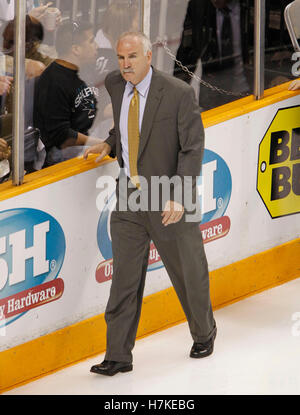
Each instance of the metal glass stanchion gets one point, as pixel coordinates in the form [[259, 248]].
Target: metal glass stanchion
[[19, 93], [259, 48]]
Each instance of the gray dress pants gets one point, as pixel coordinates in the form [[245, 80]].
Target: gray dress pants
[[185, 261]]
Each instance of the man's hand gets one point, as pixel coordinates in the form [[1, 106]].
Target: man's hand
[[103, 149], [5, 84], [294, 85], [39, 12], [172, 213], [5, 150]]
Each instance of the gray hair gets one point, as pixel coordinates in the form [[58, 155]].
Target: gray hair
[[147, 45]]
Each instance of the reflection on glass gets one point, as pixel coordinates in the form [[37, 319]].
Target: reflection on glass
[[35, 64], [72, 108], [278, 50], [64, 105], [69, 51], [216, 43], [6, 81], [118, 17]]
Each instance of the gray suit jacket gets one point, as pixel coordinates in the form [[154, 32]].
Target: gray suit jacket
[[172, 134]]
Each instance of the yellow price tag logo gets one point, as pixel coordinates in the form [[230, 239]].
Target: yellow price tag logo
[[278, 177]]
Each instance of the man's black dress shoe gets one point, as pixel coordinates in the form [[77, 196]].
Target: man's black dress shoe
[[203, 349], [110, 368]]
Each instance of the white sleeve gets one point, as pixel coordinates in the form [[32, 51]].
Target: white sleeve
[[7, 10]]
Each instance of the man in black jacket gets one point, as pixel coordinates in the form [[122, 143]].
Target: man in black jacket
[[216, 36], [65, 106]]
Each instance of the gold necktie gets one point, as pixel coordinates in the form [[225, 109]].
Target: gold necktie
[[133, 137]]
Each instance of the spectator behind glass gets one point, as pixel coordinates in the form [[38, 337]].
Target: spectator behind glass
[[39, 13], [35, 61], [65, 107], [7, 11], [120, 16], [35, 64], [34, 33], [5, 149], [34, 154], [215, 36]]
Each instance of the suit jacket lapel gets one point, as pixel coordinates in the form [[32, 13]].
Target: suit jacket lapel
[[152, 104], [117, 100]]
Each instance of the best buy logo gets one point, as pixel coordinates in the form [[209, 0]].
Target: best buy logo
[[278, 178]]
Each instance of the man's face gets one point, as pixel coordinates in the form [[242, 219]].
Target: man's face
[[87, 49], [219, 4], [134, 64]]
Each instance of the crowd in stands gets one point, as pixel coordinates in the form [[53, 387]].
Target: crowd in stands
[[66, 105]]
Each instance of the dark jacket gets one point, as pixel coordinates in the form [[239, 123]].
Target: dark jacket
[[199, 36]]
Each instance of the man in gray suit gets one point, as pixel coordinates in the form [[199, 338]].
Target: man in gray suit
[[170, 145]]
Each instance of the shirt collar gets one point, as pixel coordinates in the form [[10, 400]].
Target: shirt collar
[[143, 86]]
